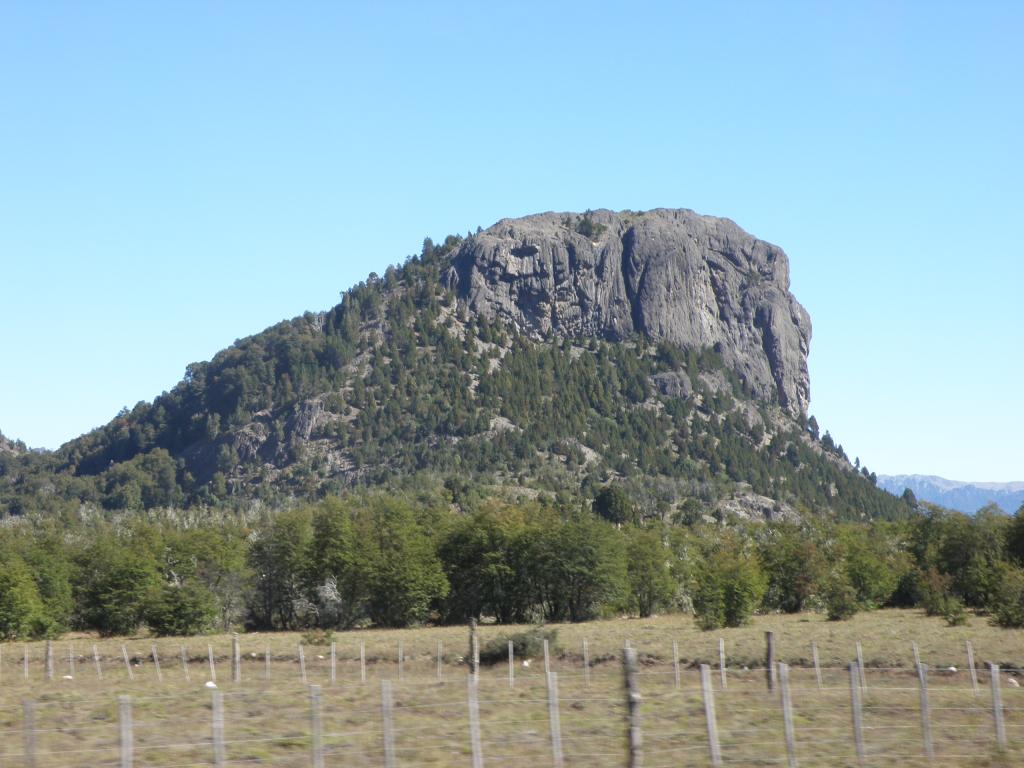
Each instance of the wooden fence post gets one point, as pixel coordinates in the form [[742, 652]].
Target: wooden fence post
[[554, 722], [511, 664], [860, 668], [787, 714], [49, 659], [184, 664], [547, 658], [217, 729], [96, 662], [721, 663], [212, 663], [474, 658], [71, 660], [709, 714], [362, 662], [858, 727], [635, 735], [997, 704], [29, 732], [302, 664], [124, 711], [474, 722], [24, 660], [316, 727], [917, 654], [770, 671], [926, 722], [236, 660], [817, 665], [388, 726], [266, 663], [970, 665], [586, 662], [127, 663], [675, 662], [156, 664], [401, 661], [334, 663]]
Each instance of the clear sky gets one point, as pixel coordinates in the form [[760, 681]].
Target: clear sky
[[177, 175]]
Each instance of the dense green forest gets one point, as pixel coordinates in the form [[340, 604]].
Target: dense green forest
[[405, 558]]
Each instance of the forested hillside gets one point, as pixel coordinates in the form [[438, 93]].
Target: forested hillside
[[401, 379]]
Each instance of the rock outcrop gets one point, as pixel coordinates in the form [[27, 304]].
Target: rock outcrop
[[696, 281], [11, 446]]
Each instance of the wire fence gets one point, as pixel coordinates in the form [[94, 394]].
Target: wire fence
[[317, 709]]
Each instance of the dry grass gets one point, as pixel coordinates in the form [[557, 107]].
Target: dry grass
[[268, 722]]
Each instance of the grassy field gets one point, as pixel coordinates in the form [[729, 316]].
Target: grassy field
[[267, 721]]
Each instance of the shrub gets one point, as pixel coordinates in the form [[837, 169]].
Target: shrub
[[317, 637], [935, 591], [729, 589], [954, 612], [1008, 606], [840, 598], [21, 609], [180, 609], [525, 645], [588, 227]]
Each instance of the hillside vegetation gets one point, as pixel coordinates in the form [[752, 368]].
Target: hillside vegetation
[[400, 380]]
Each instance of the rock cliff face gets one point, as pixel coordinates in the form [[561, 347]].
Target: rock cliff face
[[696, 281]]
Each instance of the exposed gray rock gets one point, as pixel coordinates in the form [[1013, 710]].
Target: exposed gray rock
[[11, 446], [305, 418], [674, 384], [749, 506], [696, 281]]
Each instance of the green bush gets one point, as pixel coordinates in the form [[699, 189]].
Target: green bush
[[954, 612], [840, 598], [525, 645], [729, 589], [1008, 607], [934, 589], [180, 609], [21, 609], [589, 228], [317, 637]]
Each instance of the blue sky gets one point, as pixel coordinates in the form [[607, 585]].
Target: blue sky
[[176, 176]]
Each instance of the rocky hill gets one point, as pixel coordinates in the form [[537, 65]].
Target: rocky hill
[[695, 281], [555, 353]]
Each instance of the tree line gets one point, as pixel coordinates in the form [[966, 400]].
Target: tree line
[[448, 554]]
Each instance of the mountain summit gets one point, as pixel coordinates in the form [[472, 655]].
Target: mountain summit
[[560, 353], [673, 275]]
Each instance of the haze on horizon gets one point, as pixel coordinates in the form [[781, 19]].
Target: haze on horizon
[[176, 178]]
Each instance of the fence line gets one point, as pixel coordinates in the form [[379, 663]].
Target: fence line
[[576, 713]]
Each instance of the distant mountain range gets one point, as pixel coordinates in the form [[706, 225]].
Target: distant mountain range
[[965, 497]]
